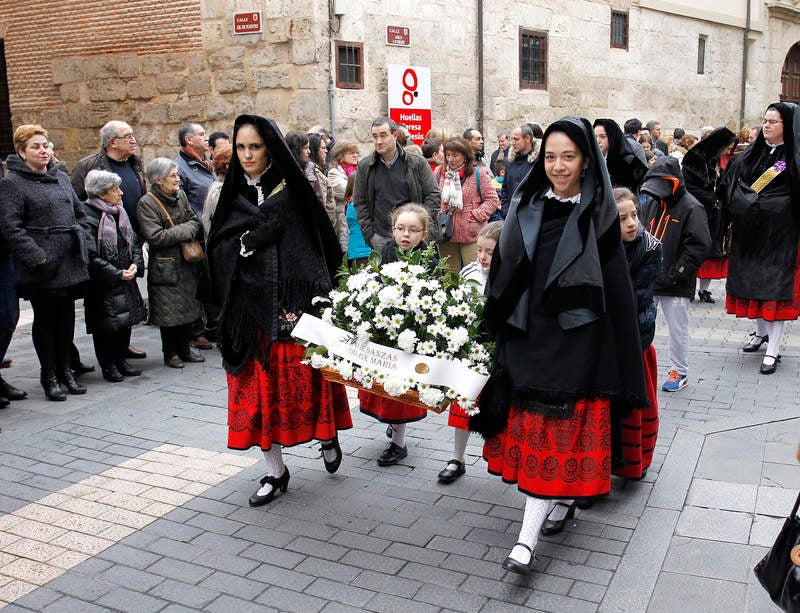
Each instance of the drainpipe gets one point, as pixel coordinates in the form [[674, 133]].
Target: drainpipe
[[332, 65], [744, 66], [480, 66]]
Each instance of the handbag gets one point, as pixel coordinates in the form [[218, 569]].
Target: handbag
[[192, 251], [445, 221], [779, 570]]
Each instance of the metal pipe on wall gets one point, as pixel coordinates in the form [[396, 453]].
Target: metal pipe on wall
[[745, 45], [480, 66]]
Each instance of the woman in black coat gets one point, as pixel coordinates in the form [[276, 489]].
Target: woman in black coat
[[113, 303], [41, 222]]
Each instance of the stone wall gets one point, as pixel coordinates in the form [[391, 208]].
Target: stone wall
[[161, 63]]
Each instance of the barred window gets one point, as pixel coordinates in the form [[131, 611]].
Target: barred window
[[350, 65], [532, 60], [619, 29]]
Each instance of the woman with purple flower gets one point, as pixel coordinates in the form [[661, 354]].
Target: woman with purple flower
[[763, 197]]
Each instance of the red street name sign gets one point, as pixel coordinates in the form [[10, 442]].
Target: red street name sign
[[247, 23], [398, 36]]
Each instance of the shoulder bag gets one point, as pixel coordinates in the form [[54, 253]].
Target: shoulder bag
[[192, 251], [779, 571]]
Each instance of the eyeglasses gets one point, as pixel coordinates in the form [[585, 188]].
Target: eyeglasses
[[174, 175], [771, 122], [403, 230], [128, 137]]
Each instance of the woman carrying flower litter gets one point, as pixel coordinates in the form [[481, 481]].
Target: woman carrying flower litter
[[271, 250], [764, 200], [409, 229], [563, 314]]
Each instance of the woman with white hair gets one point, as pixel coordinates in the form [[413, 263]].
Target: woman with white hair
[[166, 221], [113, 304]]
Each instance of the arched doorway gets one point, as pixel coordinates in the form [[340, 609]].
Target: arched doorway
[[790, 76]]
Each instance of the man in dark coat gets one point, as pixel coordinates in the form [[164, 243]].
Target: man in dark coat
[[678, 220], [521, 157]]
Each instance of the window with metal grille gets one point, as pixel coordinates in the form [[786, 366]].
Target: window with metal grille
[[701, 54], [619, 29], [350, 65], [532, 60]]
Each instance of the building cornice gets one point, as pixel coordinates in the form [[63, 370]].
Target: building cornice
[[788, 10]]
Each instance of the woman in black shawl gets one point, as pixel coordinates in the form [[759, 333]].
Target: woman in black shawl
[[702, 173], [562, 310], [764, 201], [271, 250], [625, 159]]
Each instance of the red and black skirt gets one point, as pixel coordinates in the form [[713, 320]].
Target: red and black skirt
[[458, 417], [640, 428], [549, 457], [389, 411], [289, 404], [769, 310], [713, 268]]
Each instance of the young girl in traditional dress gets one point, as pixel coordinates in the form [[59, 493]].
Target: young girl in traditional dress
[[561, 308], [409, 229], [271, 250], [638, 431], [458, 419]]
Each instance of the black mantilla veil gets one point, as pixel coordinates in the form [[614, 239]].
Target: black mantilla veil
[[625, 167], [586, 307], [707, 150], [295, 253], [790, 114]]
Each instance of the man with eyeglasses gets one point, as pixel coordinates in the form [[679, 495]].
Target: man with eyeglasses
[[117, 155], [193, 165]]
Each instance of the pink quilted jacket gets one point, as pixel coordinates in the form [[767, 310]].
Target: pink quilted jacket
[[477, 209]]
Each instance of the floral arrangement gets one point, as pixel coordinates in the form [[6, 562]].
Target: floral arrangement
[[412, 306]]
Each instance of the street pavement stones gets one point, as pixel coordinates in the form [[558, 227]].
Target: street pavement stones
[[127, 499]]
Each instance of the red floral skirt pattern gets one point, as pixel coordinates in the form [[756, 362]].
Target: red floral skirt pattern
[[549, 457], [713, 269], [289, 404], [640, 428], [389, 411], [458, 417], [770, 310]]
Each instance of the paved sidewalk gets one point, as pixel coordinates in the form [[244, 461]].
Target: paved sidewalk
[[127, 499]]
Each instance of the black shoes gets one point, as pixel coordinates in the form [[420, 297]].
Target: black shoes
[[554, 526], [52, 389], [518, 567], [10, 392], [705, 297], [67, 379], [112, 375], [79, 368], [192, 357], [333, 465], [278, 483], [126, 369], [769, 364], [4, 402], [136, 354], [755, 342], [392, 455], [448, 474], [173, 361]]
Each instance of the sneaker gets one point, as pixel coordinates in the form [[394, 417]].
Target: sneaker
[[675, 381]]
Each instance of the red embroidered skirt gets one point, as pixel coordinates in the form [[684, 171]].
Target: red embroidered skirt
[[458, 417], [289, 404], [770, 310], [640, 428], [555, 458], [389, 411], [713, 269]]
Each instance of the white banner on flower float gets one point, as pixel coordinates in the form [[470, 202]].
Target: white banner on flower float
[[421, 368]]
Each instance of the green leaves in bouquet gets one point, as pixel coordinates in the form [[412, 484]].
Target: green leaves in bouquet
[[315, 350], [374, 259]]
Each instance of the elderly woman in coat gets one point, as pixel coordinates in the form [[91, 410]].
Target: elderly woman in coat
[[40, 222], [113, 304], [166, 221]]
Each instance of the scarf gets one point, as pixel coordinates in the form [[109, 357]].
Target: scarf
[[348, 168], [451, 189], [111, 216], [192, 154]]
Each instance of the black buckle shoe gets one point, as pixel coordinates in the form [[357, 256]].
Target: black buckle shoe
[[518, 567], [112, 375], [705, 296], [392, 455], [10, 392], [448, 475], [769, 364], [128, 370], [52, 388], [755, 343], [66, 378], [332, 466], [278, 483], [554, 526]]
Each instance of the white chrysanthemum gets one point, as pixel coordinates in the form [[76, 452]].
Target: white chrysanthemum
[[352, 313], [430, 396], [470, 408], [327, 315], [439, 296], [419, 317], [364, 377], [345, 369], [394, 385], [456, 293], [336, 296], [426, 302], [372, 286], [436, 309], [406, 340], [391, 295], [319, 361], [460, 336], [394, 269], [426, 348], [363, 331], [416, 270], [382, 322], [397, 319]]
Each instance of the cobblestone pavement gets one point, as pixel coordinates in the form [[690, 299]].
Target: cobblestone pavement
[[127, 499]]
